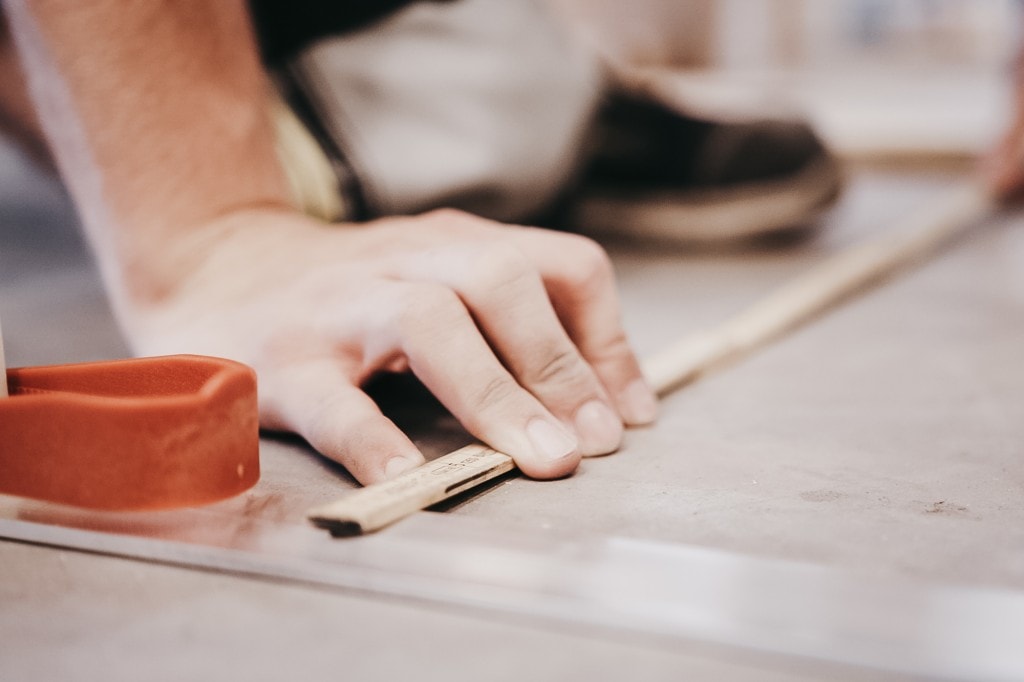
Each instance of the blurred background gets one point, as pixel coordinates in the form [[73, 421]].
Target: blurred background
[[883, 81], [880, 78]]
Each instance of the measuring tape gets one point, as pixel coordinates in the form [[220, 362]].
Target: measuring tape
[[148, 433]]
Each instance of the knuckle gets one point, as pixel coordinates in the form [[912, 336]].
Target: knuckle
[[561, 367], [426, 305], [496, 266], [448, 214], [588, 266], [454, 221], [614, 349], [496, 392]]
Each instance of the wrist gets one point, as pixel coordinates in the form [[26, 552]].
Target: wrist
[[218, 260]]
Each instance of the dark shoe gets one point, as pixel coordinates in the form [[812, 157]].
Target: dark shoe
[[656, 173]]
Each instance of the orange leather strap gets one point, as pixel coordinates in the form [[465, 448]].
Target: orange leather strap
[[150, 433]]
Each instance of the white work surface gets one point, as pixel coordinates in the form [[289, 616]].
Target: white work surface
[[884, 440]]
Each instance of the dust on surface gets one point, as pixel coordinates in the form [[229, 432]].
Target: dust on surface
[[946, 507], [821, 495]]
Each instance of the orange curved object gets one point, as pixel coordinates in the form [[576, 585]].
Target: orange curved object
[[149, 433]]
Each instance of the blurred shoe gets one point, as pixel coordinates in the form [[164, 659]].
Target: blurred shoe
[[656, 173]]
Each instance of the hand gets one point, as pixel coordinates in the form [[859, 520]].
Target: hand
[[516, 331], [1003, 167]]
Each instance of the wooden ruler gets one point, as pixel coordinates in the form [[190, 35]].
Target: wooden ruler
[[378, 505], [824, 286]]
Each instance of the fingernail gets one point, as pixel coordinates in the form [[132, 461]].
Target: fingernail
[[599, 429], [639, 403], [550, 442], [397, 466]]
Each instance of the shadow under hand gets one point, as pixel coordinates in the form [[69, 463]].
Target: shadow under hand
[[408, 403]]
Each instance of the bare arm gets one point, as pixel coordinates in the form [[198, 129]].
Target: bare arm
[[156, 114]]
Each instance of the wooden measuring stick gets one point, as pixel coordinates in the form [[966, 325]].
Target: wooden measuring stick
[[381, 504], [829, 283], [810, 294]]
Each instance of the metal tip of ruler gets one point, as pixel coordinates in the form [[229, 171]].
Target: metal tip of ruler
[[338, 528]]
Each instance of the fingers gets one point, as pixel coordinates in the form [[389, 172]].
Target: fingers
[[1003, 170], [316, 400], [516, 331], [506, 296], [446, 350], [581, 283]]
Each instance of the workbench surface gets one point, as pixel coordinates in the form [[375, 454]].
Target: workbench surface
[[884, 439]]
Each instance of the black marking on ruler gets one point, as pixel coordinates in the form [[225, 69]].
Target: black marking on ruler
[[338, 528], [462, 497], [474, 477]]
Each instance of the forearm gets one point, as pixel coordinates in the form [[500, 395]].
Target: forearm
[[156, 113], [156, 110]]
